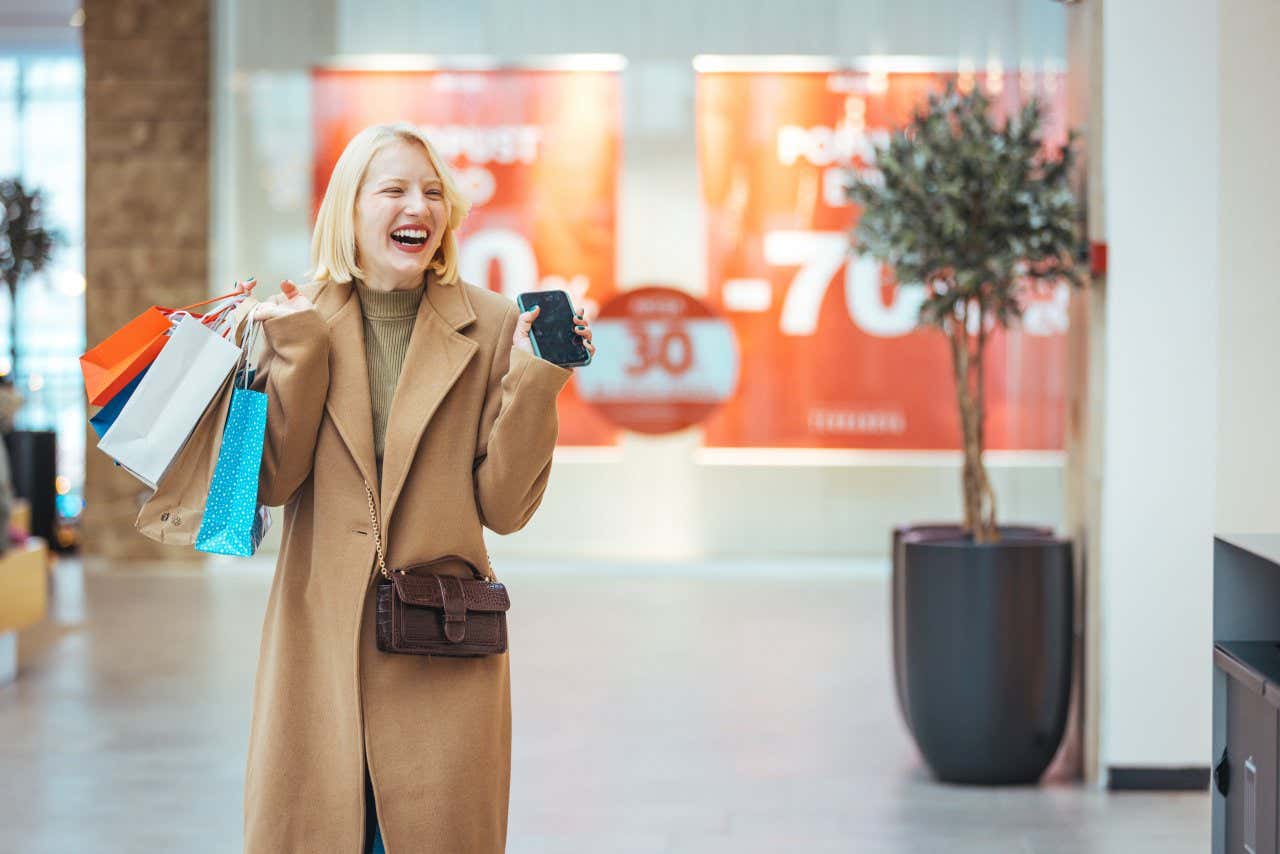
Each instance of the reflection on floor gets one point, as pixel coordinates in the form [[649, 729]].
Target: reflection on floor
[[657, 709]]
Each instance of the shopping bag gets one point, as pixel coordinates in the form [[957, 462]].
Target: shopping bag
[[106, 416], [156, 421], [173, 512], [114, 363], [234, 522]]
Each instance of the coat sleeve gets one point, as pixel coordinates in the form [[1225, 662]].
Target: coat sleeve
[[293, 369], [518, 428]]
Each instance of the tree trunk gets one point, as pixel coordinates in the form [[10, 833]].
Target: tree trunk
[[967, 352], [13, 330], [989, 532]]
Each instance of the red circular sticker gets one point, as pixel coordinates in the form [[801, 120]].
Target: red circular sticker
[[666, 361]]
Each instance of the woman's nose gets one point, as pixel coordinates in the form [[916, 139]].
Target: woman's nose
[[415, 204]]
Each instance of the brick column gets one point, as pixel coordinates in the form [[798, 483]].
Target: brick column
[[147, 124]]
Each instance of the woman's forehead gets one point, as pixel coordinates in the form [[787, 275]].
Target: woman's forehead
[[404, 161]]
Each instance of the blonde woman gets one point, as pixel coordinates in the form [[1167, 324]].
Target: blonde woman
[[387, 370]]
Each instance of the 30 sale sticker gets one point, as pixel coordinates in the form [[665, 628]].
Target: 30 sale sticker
[[666, 361]]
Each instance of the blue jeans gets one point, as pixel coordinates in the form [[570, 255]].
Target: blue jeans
[[372, 833]]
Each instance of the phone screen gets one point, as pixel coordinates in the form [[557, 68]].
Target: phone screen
[[553, 335]]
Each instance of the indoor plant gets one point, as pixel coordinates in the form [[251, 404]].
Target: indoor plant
[[26, 247], [982, 214]]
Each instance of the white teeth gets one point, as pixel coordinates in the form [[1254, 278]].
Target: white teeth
[[411, 232]]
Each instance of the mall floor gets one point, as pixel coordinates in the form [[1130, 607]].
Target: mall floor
[[718, 707]]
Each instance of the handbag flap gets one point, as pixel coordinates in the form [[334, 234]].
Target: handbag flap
[[424, 591]]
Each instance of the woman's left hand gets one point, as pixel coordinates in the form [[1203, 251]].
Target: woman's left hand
[[583, 328], [525, 322]]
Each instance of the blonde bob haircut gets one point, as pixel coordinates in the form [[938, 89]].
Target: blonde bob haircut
[[333, 242]]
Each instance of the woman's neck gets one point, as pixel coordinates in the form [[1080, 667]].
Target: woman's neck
[[385, 284]]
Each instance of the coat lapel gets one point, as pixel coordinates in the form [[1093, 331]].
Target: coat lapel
[[348, 403], [438, 353]]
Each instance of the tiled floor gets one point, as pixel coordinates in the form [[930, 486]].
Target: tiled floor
[[693, 709]]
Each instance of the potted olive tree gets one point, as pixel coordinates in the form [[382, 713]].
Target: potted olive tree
[[982, 214]]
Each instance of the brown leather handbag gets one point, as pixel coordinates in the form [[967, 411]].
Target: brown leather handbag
[[420, 610]]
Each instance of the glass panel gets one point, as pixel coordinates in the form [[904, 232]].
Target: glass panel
[[42, 142], [8, 76], [55, 77], [53, 160]]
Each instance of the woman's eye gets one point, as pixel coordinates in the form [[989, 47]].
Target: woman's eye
[[393, 190], [435, 194]]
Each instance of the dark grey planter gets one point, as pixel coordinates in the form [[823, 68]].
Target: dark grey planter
[[987, 642], [923, 532], [33, 469]]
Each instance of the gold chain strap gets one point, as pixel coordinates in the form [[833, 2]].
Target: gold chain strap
[[377, 534], [377, 539]]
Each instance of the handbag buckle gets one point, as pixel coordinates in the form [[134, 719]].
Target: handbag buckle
[[455, 607]]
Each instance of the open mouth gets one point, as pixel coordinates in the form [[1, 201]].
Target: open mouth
[[410, 236]]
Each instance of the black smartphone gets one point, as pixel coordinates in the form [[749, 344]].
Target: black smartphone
[[553, 336]]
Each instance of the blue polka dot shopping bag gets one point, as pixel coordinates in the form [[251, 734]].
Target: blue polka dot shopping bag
[[234, 523]]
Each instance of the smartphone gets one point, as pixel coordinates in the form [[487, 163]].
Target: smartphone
[[553, 336]]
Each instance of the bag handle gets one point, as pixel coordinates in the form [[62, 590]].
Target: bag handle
[[209, 301], [377, 539], [247, 343], [215, 317], [211, 318]]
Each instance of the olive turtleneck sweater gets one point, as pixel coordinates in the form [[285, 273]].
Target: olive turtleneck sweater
[[388, 322]]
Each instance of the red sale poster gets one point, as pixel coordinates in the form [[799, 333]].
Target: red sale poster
[[831, 355], [537, 151]]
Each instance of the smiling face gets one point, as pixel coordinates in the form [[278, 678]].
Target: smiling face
[[400, 218]]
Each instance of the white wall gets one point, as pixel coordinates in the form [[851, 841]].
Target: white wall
[[1248, 494], [1161, 153], [1191, 399], [655, 498]]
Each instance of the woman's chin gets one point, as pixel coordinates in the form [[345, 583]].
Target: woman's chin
[[403, 267]]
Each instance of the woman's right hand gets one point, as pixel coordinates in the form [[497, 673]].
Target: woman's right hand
[[293, 302]]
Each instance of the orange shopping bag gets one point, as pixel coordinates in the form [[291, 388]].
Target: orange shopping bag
[[111, 365]]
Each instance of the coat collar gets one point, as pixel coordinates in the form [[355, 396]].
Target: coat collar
[[437, 355]]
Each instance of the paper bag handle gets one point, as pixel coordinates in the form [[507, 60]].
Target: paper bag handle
[[210, 300]]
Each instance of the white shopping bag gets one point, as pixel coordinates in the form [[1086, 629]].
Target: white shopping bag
[[164, 409]]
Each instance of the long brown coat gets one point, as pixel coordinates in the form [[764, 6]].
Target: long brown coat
[[469, 442]]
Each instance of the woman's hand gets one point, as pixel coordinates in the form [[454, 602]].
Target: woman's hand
[[583, 328], [292, 303], [525, 322]]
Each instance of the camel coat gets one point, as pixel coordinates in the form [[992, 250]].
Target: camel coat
[[469, 442]]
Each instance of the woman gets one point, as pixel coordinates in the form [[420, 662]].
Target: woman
[[388, 371]]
